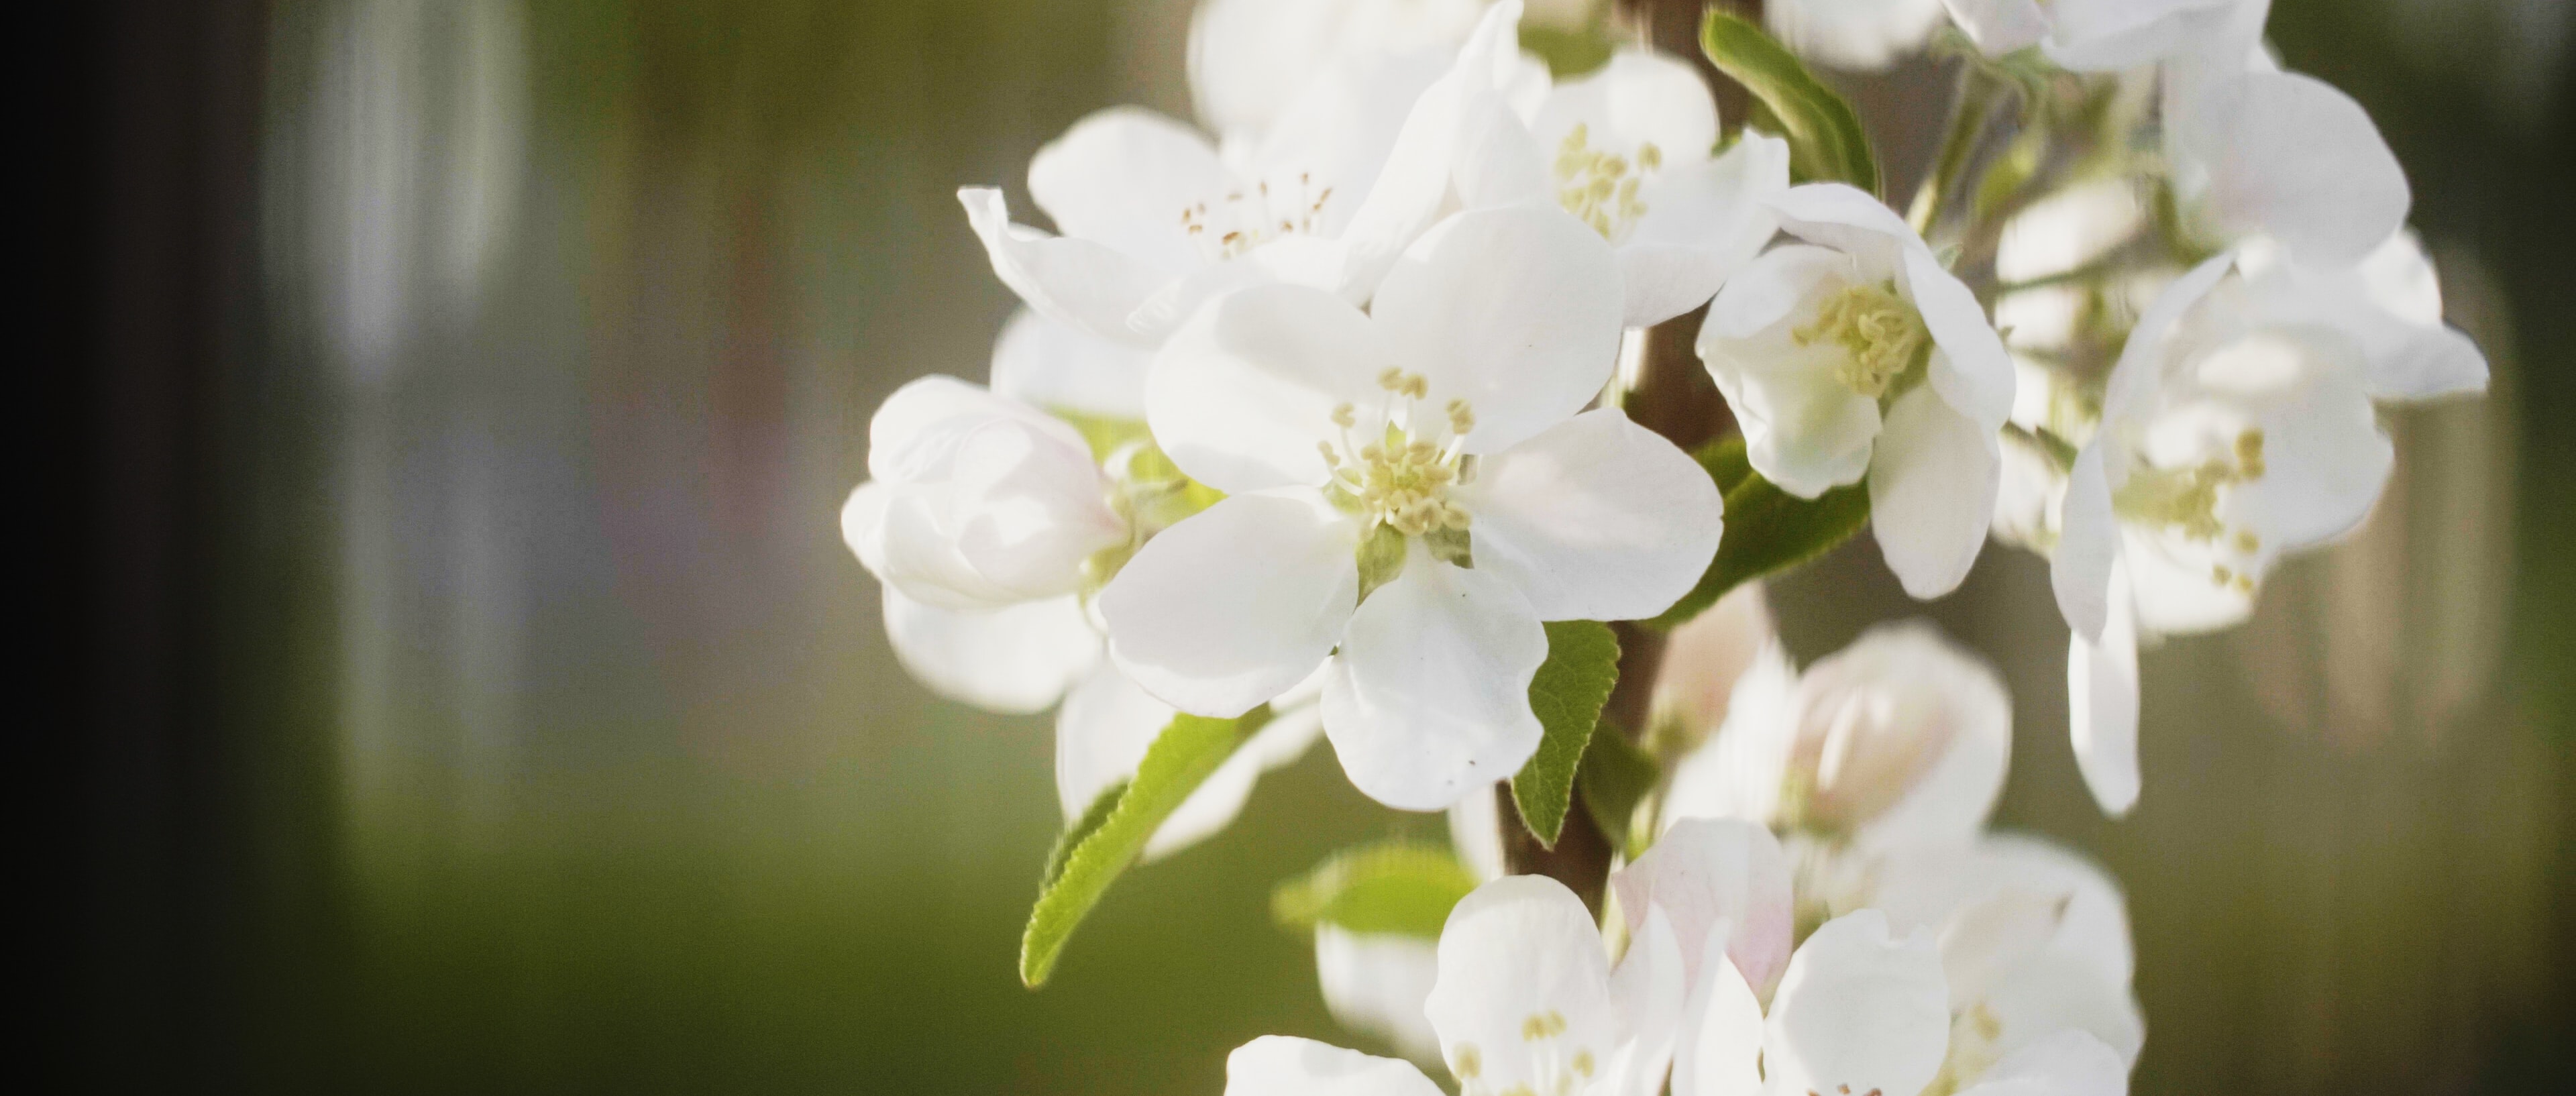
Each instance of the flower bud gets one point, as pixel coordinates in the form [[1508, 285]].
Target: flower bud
[[1902, 735], [975, 501], [1702, 661]]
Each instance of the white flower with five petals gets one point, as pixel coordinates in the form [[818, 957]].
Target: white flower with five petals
[[1856, 354], [2237, 426], [1435, 437]]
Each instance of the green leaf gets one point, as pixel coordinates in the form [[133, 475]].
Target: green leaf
[[1391, 888], [1092, 818], [1582, 663], [1826, 142], [1615, 777], [1105, 841], [1767, 529]]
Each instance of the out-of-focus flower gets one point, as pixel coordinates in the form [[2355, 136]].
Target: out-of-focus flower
[[1856, 34], [1281, 1065], [1703, 660], [1154, 220], [1249, 60], [1526, 997], [1426, 453], [2238, 426], [1859, 1010], [1901, 738], [2254, 151], [1628, 152], [1375, 984], [2103, 35], [1724, 884], [1856, 353]]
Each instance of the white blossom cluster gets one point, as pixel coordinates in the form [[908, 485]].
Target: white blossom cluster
[[1316, 417]]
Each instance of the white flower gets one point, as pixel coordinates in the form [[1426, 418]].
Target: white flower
[[1858, 34], [1107, 724], [1901, 738], [1154, 220], [1250, 59], [977, 502], [2237, 426], [1857, 353], [1628, 153], [1526, 999], [1375, 983], [1437, 437]]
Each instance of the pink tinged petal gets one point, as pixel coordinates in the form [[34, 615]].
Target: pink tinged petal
[[1086, 284], [2294, 157], [1909, 735], [1375, 984], [1721, 1044], [1596, 519], [1704, 873], [1999, 27], [1846, 219], [1703, 223], [1047, 364], [1705, 658], [1932, 488], [1515, 310], [1242, 393], [1124, 176], [2102, 703], [1277, 1065], [1014, 660], [1859, 1010], [1234, 605], [1972, 372], [2068, 1063], [1428, 700], [1520, 956], [1649, 989]]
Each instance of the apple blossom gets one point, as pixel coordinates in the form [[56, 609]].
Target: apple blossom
[[1900, 738], [1628, 152], [1857, 354], [2237, 426], [1426, 453]]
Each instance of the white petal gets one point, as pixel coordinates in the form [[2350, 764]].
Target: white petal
[[1460, 135], [1333, 140], [1521, 948], [1972, 372], [1101, 733], [2325, 459], [862, 514], [2102, 703], [1124, 176], [1703, 873], [2053, 993], [1999, 27], [1739, 772], [1014, 660], [1705, 658], [1515, 310], [1703, 223], [1234, 605], [1243, 392], [1848, 220], [1906, 689], [1475, 833], [1050, 365], [1087, 284], [2390, 308], [1598, 518], [2088, 546], [1640, 97], [1858, 1008], [1649, 990], [2110, 35], [1858, 34], [1428, 700], [913, 434], [1277, 1065], [2299, 159], [1375, 984], [1721, 1049], [2069, 1063], [1803, 430], [1923, 886], [1932, 489], [1027, 509]]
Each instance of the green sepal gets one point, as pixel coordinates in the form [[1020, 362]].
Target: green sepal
[[1826, 141], [1582, 664], [1615, 777], [1397, 887], [1768, 530], [1100, 846], [1381, 558]]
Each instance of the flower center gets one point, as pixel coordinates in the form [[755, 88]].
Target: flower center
[[1243, 220], [1600, 188], [1881, 334], [2185, 500], [1557, 1068], [1401, 476]]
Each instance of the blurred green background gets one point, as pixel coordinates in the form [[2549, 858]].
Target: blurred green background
[[564, 753]]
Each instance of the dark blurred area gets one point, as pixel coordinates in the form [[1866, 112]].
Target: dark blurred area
[[471, 691]]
